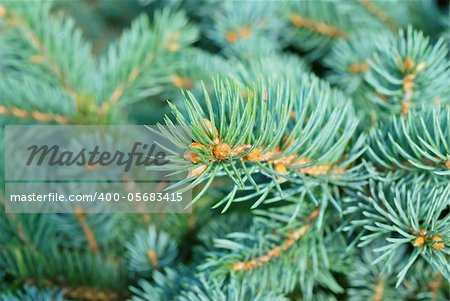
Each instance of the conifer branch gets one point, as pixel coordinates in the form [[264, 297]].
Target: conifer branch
[[379, 289], [34, 115], [404, 144], [87, 293], [293, 237], [151, 250], [435, 285], [20, 231], [402, 216], [358, 67], [402, 73], [90, 237], [322, 28], [22, 18], [137, 61], [120, 89], [379, 13], [316, 193], [265, 146]]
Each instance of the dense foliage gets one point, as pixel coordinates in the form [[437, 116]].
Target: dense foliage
[[319, 158]]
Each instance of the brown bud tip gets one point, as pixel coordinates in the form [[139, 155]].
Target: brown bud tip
[[314, 214], [437, 100], [406, 106], [280, 168], [198, 171], [296, 20], [408, 64], [173, 46], [358, 67], [2, 11], [422, 232], [410, 77], [447, 164], [182, 82], [232, 36], [197, 145], [438, 242], [153, 258], [286, 142], [208, 128], [292, 115], [240, 149], [190, 155], [91, 167], [221, 151], [408, 85], [245, 32], [420, 66], [419, 241], [254, 155], [238, 266], [79, 212]]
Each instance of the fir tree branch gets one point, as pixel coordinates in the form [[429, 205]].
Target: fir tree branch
[[43, 56], [379, 289], [379, 13], [358, 67], [34, 115], [322, 28], [264, 142], [87, 293], [276, 251], [20, 230], [408, 73], [44, 38], [265, 135], [415, 143], [349, 62], [435, 284], [90, 237], [151, 250], [136, 64], [25, 97], [391, 214]]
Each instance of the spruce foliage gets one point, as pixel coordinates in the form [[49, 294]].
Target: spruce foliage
[[319, 156]]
